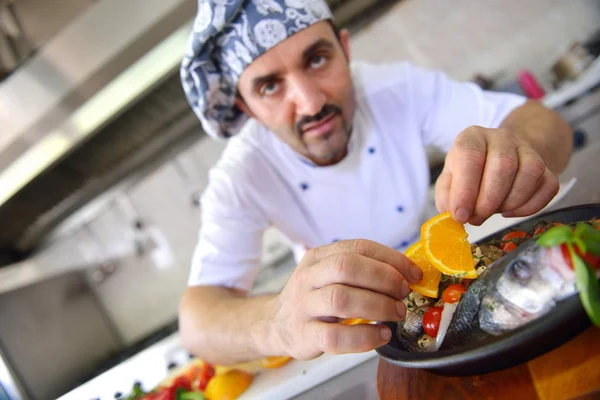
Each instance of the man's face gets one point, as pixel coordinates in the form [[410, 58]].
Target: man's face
[[301, 89]]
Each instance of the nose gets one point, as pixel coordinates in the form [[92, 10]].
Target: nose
[[307, 96]]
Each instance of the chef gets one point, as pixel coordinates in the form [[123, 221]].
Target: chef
[[332, 152]]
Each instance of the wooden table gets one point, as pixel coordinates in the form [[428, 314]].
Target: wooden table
[[571, 371]]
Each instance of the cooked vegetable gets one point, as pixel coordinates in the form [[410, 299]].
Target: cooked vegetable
[[426, 342], [589, 290], [418, 299], [512, 239], [191, 396], [431, 320], [580, 247], [544, 227], [453, 292], [446, 318]]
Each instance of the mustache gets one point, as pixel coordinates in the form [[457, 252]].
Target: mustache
[[326, 111]]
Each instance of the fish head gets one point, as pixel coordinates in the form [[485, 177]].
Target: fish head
[[526, 284]]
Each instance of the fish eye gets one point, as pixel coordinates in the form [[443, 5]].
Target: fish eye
[[521, 270]]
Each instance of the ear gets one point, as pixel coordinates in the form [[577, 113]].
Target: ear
[[241, 104], [345, 41]]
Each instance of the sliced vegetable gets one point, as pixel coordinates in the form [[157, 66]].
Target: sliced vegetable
[[589, 290], [555, 236], [426, 342], [182, 382], [512, 239], [207, 371], [591, 238], [453, 292], [447, 314], [545, 227], [579, 248], [418, 299], [191, 396], [431, 320], [591, 260]]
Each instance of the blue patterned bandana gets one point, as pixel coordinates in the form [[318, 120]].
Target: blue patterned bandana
[[227, 36]]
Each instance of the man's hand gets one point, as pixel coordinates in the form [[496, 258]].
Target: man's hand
[[346, 279], [493, 170]]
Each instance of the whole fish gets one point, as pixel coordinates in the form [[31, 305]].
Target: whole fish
[[516, 289]]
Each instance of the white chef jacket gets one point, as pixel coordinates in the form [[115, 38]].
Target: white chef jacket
[[377, 192]]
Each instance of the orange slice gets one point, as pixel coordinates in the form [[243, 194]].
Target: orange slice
[[228, 386], [355, 321], [274, 362], [446, 246], [429, 285]]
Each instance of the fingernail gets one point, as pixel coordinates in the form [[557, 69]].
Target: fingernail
[[508, 214], [416, 273], [400, 309], [477, 221], [404, 289], [462, 215], [385, 333]]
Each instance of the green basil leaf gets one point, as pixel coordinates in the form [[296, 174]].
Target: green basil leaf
[[589, 289], [591, 238], [591, 232], [592, 246], [580, 245], [580, 228], [192, 396], [555, 236]]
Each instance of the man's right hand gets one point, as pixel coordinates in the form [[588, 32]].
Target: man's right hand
[[346, 279]]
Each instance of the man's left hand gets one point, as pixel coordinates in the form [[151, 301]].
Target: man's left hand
[[490, 171]]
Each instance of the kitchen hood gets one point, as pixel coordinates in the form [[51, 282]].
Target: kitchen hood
[[98, 104]]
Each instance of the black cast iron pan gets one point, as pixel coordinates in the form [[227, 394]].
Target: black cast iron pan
[[564, 322]]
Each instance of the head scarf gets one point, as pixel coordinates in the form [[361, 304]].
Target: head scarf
[[227, 36]]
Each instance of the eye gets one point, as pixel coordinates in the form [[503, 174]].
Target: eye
[[269, 89], [521, 270], [317, 61]]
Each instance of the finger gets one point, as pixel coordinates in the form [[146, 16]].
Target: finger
[[545, 192], [372, 250], [528, 179], [349, 302], [359, 271], [468, 162], [501, 166], [442, 190], [341, 339]]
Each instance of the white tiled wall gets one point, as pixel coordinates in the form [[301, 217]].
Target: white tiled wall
[[463, 37]]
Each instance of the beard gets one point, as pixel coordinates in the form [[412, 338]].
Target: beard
[[329, 147]]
